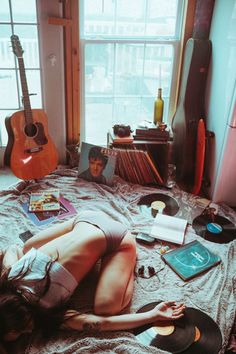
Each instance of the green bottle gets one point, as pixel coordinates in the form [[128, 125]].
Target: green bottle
[[158, 108]]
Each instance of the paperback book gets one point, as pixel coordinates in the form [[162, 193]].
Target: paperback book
[[191, 260], [46, 217], [169, 228], [45, 201], [121, 140]]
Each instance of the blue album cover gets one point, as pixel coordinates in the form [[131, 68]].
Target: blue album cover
[[191, 259]]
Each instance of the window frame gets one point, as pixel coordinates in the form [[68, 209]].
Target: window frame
[[15, 69], [176, 41]]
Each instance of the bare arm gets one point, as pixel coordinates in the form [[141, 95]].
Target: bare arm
[[164, 311], [47, 235], [12, 255]]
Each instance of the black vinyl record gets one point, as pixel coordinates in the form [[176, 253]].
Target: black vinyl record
[[214, 228], [176, 341], [208, 337], [171, 206]]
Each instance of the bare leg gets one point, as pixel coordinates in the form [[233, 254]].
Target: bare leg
[[115, 285]]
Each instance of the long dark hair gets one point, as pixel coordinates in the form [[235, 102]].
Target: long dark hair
[[18, 309]]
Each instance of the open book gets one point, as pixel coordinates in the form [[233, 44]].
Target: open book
[[169, 228]]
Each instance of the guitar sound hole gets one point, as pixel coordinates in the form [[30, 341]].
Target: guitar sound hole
[[31, 130]]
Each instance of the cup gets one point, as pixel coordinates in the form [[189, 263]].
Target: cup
[[171, 175]]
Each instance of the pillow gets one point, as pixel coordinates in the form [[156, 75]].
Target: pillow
[[97, 163]]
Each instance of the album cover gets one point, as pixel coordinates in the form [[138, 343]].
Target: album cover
[[47, 200], [191, 260], [46, 217], [97, 164]]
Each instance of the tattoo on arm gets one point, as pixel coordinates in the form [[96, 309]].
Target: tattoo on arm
[[92, 327]]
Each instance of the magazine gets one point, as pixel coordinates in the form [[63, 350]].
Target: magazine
[[47, 200], [46, 217], [97, 164], [191, 260]]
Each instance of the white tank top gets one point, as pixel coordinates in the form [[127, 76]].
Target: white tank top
[[62, 283]]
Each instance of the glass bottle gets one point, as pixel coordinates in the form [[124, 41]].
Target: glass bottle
[[158, 108]]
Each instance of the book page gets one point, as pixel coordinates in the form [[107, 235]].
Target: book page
[[169, 228]]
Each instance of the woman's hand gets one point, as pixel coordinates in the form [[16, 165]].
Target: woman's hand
[[166, 311]]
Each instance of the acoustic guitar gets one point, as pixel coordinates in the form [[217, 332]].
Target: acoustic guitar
[[30, 152]]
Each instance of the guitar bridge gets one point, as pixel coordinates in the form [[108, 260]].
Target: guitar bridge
[[34, 150]]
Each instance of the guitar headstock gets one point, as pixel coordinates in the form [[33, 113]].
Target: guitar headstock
[[17, 48]]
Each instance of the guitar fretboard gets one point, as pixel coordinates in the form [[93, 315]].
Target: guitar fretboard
[[24, 86]]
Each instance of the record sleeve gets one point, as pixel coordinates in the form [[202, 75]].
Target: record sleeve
[[191, 260]]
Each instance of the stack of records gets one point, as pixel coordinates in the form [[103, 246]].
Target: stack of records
[[151, 134], [137, 166]]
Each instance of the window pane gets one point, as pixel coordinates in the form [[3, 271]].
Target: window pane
[[34, 87], [129, 69], [99, 111], [8, 89], [131, 81], [24, 11], [158, 69], [4, 11], [99, 68], [133, 18], [6, 55], [162, 16], [28, 37]]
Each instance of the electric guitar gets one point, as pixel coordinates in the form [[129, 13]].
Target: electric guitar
[[30, 152]]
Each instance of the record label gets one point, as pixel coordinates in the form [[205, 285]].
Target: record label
[[214, 228], [151, 204]]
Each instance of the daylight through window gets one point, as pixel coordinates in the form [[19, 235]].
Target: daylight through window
[[128, 49]]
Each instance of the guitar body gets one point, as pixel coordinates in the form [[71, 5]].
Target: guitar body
[[30, 153]]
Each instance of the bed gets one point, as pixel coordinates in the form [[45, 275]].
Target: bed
[[212, 292]]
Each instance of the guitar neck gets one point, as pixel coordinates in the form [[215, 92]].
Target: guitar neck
[[24, 86]]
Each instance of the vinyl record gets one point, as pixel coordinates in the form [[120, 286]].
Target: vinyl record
[[168, 204], [214, 228], [175, 337], [208, 338]]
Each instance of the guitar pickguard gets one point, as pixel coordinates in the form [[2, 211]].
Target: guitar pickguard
[[40, 137]]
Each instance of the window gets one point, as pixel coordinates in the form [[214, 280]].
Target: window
[[128, 50], [19, 19]]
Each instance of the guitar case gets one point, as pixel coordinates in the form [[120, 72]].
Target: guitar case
[[190, 109]]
